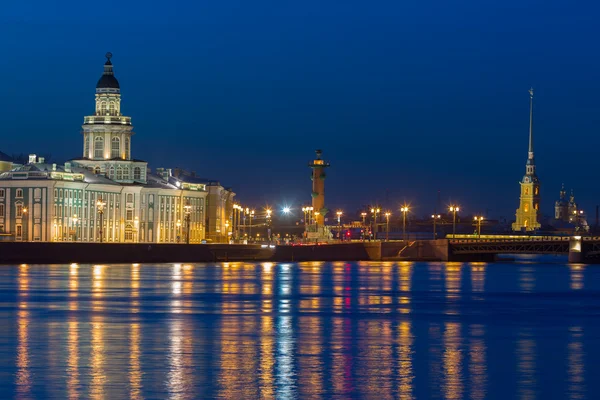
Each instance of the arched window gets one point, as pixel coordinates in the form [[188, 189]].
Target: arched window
[[115, 148], [97, 171], [19, 193], [86, 145], [103, 108], [137, 173], [111, 174], [125, 173], [127, 156], [98, 147], [19, 209], [111, 108], [119, 173], [130, 197]]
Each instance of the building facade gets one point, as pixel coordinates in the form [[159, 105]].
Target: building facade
[[108, 196], [568, 211], [528, 213]]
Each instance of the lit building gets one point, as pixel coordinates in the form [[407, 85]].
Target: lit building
[[569, 212], [106, 195], [528, 213]]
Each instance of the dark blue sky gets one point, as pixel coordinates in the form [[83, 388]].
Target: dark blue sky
[[404, 97]]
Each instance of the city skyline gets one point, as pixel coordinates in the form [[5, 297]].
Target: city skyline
[[394, 127]]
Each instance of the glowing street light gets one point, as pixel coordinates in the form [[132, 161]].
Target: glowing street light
[[339, 216], [375, 211], [286, 210], [435, 217], [100, 207], [454, 210], [404, 210], [478, 219], [387, 226]]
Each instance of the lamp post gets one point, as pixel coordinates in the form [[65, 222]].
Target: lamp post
[[375, 211], [435, 218], [404, 210], [339, 216], [478, 219], [25, 231], [269, 225], [178, 224], [454, 210], [75, 219], [100, 207], [387, 226], [187, 211]]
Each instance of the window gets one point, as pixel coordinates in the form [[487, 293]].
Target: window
[[129, 215], [137, 173], [20, 193], [115, 149], [37, 193], [127, 156], [111, 108], [1, 210], [103, 107], [111, 173], [98, 147], [130, 197], [19, 231], [125, 173], [19, 208], [86, 145], [97, 170], [119, 173], [1, 228], [55, 194], [128, 233], [37, 210], [1, 193]]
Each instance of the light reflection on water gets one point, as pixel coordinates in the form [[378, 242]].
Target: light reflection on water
[[308, 330]]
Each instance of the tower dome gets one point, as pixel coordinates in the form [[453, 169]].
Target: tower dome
[[108, 80]]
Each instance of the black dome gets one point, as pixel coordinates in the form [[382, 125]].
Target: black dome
[[108, 80]]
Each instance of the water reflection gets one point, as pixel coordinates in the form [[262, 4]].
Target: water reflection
[[314, 330]]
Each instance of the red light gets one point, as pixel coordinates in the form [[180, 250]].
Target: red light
[[348, 233]]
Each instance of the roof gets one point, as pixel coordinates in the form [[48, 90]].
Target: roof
[[108, 80]]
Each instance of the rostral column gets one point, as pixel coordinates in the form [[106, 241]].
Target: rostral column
[[318, 188]]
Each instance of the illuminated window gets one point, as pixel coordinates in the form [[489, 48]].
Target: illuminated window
[[537, 190], [98, 147], [19, 232], [526, 190], [526, 208], [115, 149], [19, 193]]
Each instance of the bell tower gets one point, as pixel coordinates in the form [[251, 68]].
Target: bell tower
[[528, 213]]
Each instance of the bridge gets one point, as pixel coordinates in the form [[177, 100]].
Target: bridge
[[579, 248]]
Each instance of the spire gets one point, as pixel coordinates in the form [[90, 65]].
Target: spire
[[531, 124], [108, 67], [108, 80]]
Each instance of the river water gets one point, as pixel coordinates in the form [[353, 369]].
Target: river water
[[525, 330]]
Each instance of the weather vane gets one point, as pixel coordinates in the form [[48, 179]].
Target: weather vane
[[109, 55]]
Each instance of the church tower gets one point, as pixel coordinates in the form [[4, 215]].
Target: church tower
[[528, 213]]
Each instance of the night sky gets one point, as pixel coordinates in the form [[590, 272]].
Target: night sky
[[404, 97]]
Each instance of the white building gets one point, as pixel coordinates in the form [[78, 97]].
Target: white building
[[106, 195]]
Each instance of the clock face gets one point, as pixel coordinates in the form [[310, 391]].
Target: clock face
[[526, 179]]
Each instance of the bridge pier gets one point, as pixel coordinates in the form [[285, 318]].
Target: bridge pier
[[575, 250]]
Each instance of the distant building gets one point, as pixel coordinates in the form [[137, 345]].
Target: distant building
[[569, 212], [528, 213], [106, 195], [6, 162]]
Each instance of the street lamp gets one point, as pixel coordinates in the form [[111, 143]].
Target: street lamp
[[339, 216], [374, 211], [75, 219], [100, 207], [25, 231], [187, 211], [454, 210], [404, 210], [178, 229], [478, 219], [387, 226], [435, 218]]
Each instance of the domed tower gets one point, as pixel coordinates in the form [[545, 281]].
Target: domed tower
[[107, 133]]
